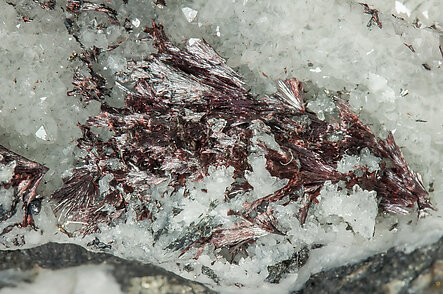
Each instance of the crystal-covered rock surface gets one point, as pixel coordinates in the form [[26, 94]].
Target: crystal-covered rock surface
[[187, 154]]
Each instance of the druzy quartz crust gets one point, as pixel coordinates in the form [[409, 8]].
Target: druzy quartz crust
[[176, 162]]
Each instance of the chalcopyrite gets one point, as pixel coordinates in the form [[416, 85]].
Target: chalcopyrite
[[206, 169]]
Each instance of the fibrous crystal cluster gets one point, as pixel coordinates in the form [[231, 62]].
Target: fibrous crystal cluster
[[185, 167], [188, 117], [188, 114], [19, 178]]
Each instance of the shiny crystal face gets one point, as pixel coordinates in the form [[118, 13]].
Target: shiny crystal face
[[173, 155]]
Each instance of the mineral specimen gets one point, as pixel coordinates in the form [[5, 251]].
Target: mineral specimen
[[19, 179], [187, 114], [183, 164]]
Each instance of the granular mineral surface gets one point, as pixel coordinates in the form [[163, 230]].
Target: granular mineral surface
[[243, 145]]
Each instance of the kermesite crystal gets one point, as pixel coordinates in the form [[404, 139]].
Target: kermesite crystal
[[186, 112]]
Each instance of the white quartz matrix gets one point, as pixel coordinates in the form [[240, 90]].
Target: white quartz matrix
[[391, 73]]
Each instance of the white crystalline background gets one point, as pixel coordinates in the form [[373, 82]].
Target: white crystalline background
[[325, 42], [37, 118]]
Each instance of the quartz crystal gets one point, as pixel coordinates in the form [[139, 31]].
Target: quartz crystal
[[245, 145]]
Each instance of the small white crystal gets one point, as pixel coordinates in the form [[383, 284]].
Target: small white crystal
[[321, 105], [41, 133], [353, 162], [260, 179], [7, 171], [193, 41], [189, 13], [376, 82], [359, 209], [219, 180], [348, 163], [135, 22], [103, 184], [116, 63], [401, 8], [369, 160], [6, 198]]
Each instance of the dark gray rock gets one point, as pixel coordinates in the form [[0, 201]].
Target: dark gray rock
[[420, 271], [14, 264]]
